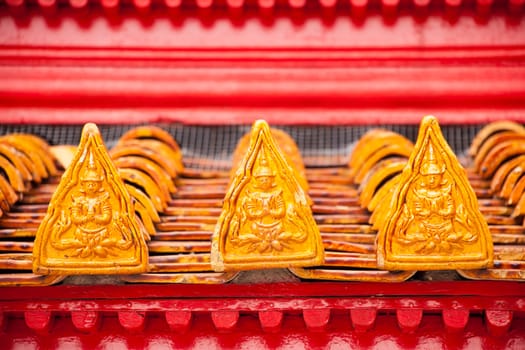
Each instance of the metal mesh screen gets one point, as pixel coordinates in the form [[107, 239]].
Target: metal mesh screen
[[320, 145]]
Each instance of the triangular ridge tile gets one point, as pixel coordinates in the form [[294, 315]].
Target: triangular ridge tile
[[90, 226], [266, 221], [433, 221]]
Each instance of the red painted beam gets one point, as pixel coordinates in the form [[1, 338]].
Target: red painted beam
[[319, 305], [488, 289], [284, 86], [248, 335], [325, 307], [246, 115], [344, 33], [353, 73], [351, 95]]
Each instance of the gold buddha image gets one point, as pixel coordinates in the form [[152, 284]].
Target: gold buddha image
[[90, 226], [430, 218], [91, 214], [263, 218], [266, 221], [433, 221]]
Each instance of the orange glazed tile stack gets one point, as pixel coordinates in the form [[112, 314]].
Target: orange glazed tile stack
[[140, 212]]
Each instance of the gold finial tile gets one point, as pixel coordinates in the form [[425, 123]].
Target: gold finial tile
[[266, 221], [433, 221], [90, 226]]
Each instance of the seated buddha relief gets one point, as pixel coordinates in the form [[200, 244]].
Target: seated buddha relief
[[90, 226], [266, 220], [91, 215], [433, 221]]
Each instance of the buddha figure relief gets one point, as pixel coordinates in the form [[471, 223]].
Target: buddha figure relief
[[91, 215], [266, 221], [90, 226], [263, 214], [430, 218], [433, 221]]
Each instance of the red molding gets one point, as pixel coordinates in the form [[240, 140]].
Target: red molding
[[302, 88], [275, 116], [387, 333], [296, 314], [269, 57], [487, 289], [360, 7], [269, 303], [222, 72], [160, 31], [282, 86]]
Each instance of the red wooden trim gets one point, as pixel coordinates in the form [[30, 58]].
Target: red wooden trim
[[301, 313], [268, 57], [331, 95], [301, 88], [97, 31], [212, 304], [304, 289], [248, 335], [274, 116], [374, 319], [311, 72], [387, 7], [217, 5]]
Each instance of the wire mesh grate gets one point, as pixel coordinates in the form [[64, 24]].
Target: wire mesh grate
[[320, 145]]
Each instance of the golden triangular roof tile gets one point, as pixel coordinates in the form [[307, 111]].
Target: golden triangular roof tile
[[90, 226], [266, 221], [433, 221]]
